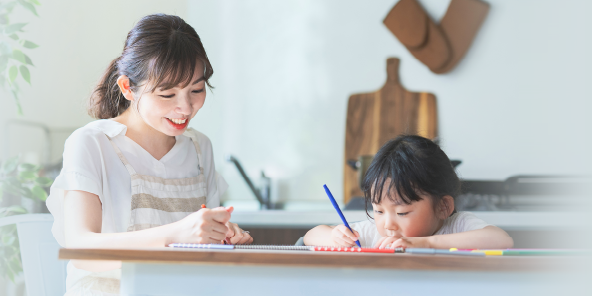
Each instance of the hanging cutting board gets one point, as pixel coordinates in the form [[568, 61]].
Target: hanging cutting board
[[376, 117]]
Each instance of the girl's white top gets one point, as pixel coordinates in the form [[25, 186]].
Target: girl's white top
[[92, 165], [459, 222]]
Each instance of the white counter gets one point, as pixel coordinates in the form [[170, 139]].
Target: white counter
[[506, 220]]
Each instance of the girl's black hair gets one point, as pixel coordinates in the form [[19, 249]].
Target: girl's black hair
[[415, 165], [161, 49]]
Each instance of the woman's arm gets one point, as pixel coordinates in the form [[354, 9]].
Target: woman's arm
[[83, 220]]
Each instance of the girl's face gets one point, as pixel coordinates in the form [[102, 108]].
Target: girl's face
[[397, 219], [169, 111]]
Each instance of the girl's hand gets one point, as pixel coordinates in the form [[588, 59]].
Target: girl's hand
[[206, 226], [237, 236], [391, 242], [342, 236]]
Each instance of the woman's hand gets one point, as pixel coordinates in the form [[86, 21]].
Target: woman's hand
[[206, 226], [391, 242], [342, 236], [237, 236]]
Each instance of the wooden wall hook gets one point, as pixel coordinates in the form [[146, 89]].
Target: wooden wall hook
[[439, 47]]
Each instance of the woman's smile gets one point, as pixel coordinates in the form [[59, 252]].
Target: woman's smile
[[178, 123]]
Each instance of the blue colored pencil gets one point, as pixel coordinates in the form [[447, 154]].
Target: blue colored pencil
[[336, 206]]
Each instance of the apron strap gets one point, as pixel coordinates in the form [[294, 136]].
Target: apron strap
[[127, 165], [191, 134]]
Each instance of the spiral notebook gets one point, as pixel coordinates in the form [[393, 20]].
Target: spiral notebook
[[243, 247], [286, 248]]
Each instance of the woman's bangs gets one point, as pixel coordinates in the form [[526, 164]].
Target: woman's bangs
[[170, 73]]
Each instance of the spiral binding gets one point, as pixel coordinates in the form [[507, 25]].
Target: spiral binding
[[273, 247]]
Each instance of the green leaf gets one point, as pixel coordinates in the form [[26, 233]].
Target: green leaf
[[8, 240], [25, 74], [44, 181], [11, 29], [28, 44], [39, 192], [27, 175], [19, 56], [35, 2], [10, 165], [10, 274], [28, 6], [27, 167], [14, 37], [15, 264], [12, 73], [8, 7], [16, 209], [3, 19], [26, 192]]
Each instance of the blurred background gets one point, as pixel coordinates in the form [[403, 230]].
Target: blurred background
[[517, 104]]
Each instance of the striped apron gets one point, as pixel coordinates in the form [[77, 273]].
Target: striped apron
[[155, 201], [158, 201]]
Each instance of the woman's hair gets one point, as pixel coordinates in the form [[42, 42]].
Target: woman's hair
[[414, 165], [162, 50]]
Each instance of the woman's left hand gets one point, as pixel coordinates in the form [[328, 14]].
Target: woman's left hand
[[391, 242], [237, 236]]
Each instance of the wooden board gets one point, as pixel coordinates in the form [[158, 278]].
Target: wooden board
[[327, 259], [376, 117]]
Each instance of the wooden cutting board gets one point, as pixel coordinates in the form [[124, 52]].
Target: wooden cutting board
[[376, 117]]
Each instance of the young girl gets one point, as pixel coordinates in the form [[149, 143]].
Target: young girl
[[411, 186], [137, 178]]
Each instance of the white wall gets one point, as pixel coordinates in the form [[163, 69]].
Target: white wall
[[77, 41], [517, 103]]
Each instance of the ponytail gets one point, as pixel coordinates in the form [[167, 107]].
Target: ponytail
[[107, 101], [162, 51]]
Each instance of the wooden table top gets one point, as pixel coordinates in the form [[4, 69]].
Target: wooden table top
[[328, 259]]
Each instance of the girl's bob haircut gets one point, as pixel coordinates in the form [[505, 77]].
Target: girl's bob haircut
[[412, 166], [162, 50]]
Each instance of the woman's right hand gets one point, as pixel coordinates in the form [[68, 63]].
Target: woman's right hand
[[342, 236], [206, 226]]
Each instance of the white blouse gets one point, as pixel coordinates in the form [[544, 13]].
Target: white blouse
[[91, 165]]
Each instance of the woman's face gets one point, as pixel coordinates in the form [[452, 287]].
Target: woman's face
[[169, 111]]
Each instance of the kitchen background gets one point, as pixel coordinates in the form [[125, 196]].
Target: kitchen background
[[517, 104]]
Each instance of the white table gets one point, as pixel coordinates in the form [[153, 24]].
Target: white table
[[240, 272]]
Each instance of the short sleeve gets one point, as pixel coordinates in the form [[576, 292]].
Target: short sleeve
[[461, 222], [81, 171], [367, 231], [82, 166]]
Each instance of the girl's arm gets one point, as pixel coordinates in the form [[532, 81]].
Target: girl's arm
[[324, 235], [83, 220], [490, 237]]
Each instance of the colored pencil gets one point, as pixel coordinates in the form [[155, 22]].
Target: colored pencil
[[336, 206]]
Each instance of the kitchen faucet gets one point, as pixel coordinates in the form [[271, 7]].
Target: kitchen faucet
[[263, 192]]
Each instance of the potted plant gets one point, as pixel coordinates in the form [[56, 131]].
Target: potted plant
[[13, 60], [20, 183]]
